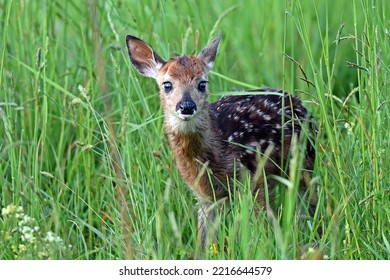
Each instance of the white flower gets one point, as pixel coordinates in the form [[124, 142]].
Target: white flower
[[29, 237], [26, 229], [27, 219], [349, 126], [49, 236], [52, 237]]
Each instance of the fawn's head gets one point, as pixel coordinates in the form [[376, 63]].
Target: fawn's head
[[182, 81]]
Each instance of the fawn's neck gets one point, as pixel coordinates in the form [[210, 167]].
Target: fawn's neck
[[196, 153]]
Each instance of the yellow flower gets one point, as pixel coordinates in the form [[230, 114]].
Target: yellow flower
[[22, 248], [8, 210], [213, 249]]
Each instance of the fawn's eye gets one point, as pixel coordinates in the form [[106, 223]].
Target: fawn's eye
[[202, 86], [167, 87]]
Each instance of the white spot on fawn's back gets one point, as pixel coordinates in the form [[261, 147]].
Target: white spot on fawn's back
[[267, 117]]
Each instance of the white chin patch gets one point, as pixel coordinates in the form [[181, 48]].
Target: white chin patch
[[186, 117], [182, 123]]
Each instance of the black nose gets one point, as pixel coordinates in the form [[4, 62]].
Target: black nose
[[186, 107]]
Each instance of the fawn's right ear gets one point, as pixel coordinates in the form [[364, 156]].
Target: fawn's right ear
[[142, 56]]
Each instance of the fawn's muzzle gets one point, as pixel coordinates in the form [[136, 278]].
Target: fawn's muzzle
[[186, 108]]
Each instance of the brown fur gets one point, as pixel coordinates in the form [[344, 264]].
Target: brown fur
[[199, 151], [214, 141], [184, 69]]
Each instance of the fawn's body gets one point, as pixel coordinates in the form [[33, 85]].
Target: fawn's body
[[214, 141]]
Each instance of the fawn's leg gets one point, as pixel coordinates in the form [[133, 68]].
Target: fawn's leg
[[207, 225], [310, 190], [206, 218]]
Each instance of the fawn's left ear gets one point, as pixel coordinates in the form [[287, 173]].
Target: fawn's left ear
[[143, 57], [209, 53]]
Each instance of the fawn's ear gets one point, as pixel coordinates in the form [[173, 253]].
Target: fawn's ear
[[142, 56], [209, 53]]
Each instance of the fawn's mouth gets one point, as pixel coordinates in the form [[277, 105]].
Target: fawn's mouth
[[185, 117]]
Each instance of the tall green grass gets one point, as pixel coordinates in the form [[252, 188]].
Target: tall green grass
[[82, 144]]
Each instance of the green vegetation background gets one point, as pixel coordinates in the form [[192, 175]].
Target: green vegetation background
[[87, 173]]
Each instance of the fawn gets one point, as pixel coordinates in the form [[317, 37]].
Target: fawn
[[222, 137]]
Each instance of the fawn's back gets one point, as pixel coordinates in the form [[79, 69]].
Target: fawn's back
[[251, 123]]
